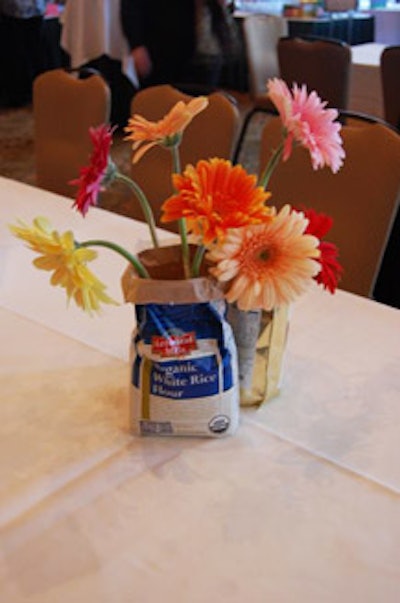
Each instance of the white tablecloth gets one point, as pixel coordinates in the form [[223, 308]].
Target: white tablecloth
[[302, 504], [365, 80], [91, 28], [387, 24]]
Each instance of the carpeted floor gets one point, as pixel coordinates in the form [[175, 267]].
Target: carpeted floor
[[17, 151], [17, 145]]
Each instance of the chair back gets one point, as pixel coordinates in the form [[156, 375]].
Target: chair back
[[211, 134], [261, 34], [390, 77], [322, 64], [64, 107], [362, 197]]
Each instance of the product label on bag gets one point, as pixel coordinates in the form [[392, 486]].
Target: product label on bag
[[174, 345], [193, 378], [184, 371]]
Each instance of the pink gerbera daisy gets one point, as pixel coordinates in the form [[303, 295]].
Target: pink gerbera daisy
[[307, 121], [266, 265], [91, 177]]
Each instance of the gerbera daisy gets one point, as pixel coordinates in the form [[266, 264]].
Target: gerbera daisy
[[67, 261], [167, 131], [214, 196], [307, 121], [92, 177], [331, 270], [267, 265]]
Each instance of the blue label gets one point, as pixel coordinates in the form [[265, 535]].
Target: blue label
[[180, 378]]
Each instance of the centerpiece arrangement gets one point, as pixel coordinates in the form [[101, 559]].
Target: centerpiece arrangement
[[237, 267]]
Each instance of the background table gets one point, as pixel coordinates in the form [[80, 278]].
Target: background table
[[92, 29], [355, 28], [365, 81], [302, 504], [91, 35], [387, 24]]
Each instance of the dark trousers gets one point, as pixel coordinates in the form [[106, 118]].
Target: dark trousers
[[21, 58], [122, 89], [387, 288]]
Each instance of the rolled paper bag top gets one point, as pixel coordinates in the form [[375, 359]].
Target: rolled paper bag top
[[167, 283]]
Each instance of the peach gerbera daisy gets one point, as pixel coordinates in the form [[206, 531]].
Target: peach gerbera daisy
[[267, 265], [214, 196], [167, 131], [307, 121]]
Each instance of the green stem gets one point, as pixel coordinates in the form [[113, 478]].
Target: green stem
[[185, 248], [148, 214], [197, 260], [176, 166], [176, 161], [271, 165], [142, 272]]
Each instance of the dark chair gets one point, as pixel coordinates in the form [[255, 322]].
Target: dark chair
[[390, 77], [358, 118], [323, 64]]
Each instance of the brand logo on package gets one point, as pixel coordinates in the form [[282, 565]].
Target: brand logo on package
[[173, 345]]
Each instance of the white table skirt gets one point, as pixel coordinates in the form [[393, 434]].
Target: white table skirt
[[302, 504], [365, 81], [92, 28]]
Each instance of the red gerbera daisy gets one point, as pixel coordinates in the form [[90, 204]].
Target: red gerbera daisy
[[331, 270], [91, 176]]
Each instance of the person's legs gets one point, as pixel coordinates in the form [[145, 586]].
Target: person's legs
[[122, 90], [22, 58]]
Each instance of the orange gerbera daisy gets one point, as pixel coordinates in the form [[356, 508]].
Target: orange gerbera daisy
[[214, 196], [167, 131], [267, 265]]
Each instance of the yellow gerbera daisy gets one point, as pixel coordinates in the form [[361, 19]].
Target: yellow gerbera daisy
[[266, 265], [67, 261], [214, 196], [167, 131]]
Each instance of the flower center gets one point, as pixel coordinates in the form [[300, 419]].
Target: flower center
[[264, 255]]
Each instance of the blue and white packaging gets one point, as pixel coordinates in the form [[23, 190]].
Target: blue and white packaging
[[184, 375]]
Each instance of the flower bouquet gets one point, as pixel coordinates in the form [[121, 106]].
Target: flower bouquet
[[239, 264]]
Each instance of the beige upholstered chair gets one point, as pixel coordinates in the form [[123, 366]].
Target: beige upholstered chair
[[390, 77], [211, 134], [322, 64], [261, 34], [362, 197], [64, 107]]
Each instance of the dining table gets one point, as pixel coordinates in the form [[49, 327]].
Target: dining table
[[301, 504]]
